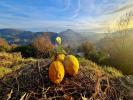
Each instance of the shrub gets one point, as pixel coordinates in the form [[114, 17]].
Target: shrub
[[123, 62], [13, 46], [26, 51], [9, 59], [69, 49], [4, 71], [94, 54], [98, 56], [43, 46], [4, 46], [113, 72], [86, 47], [12, 61]]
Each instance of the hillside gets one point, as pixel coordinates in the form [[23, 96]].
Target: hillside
[[21, 37], [70, 37], [14, 36], [31, 82]]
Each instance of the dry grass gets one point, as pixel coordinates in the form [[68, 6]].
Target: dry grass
[[10, 62], [32, 83], [113, 72], [4, 71]]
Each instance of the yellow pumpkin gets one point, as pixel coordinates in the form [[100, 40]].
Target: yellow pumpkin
[[60, 57], [71, 65], [56, 72]]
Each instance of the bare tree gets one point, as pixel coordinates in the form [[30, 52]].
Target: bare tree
[[118, 37], [118, 42]]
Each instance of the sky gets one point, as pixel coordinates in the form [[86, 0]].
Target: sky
[[58, 15]]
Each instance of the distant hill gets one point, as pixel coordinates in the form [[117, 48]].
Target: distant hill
[[73, 38], [16, 36], [69, 37], [21, 37]]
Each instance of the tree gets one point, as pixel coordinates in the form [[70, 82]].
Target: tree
[[118, 43], [87, 46], [43, 45]]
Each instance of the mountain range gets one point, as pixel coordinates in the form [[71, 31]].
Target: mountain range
[[69, 37]]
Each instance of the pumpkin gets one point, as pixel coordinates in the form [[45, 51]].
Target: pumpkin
[[60, 57], [71, 65], [56, 72]]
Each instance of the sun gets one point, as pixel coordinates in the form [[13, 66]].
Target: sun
[[115, 26]]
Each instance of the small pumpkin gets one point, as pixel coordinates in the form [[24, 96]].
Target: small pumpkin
[[60, 57], [71, 65], [56, 72]]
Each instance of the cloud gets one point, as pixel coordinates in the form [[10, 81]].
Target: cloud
[[123, 6], [77, 10], [81, 15], [67, 4], [122, 9]]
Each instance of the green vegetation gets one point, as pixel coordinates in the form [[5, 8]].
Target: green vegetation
[[10, 62], [4, 46], [96, 55], [4, 71], [118, 56], [99, 57], [111, 71], [26, 51]]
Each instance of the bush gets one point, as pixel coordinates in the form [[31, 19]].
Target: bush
[[86, 47], [26, 51], [69, 49], [9, 59], [4, 46], [123, 61], [43, 45], [98, 56], [4, 71], [11, 62], [112, 71]]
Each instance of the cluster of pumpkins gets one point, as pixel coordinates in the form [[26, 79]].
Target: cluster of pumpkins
[[63, 65]]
